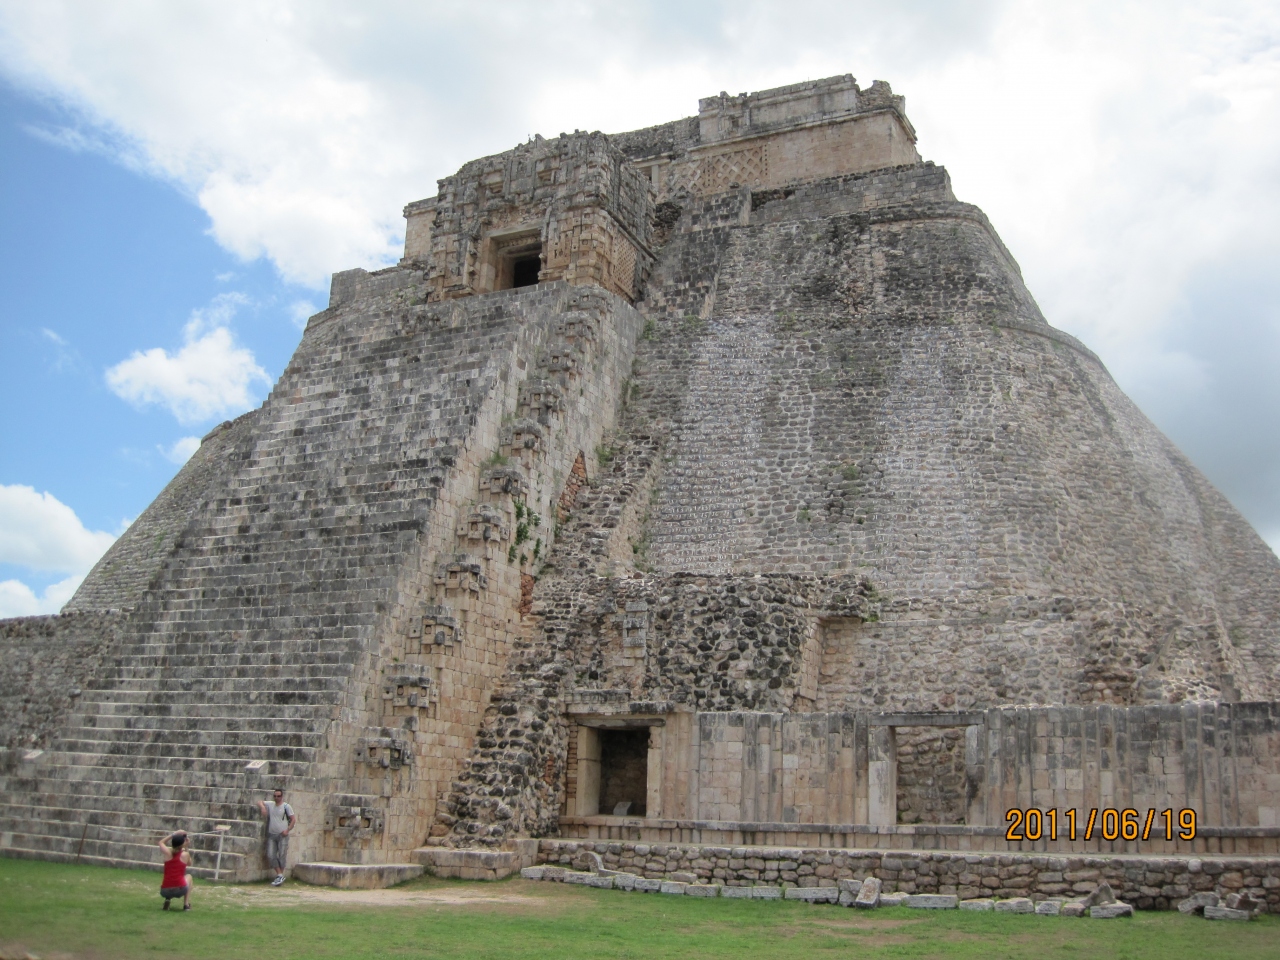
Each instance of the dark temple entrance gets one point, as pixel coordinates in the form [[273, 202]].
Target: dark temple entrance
[[624, 770], [524, 271]]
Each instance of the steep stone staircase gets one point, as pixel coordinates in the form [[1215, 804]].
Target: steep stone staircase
[[150, 750]]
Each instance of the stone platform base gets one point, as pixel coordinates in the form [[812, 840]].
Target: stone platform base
[[356, 876], [477, 864], [1147, 882]]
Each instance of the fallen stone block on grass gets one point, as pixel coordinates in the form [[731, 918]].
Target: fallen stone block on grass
[[674, 887], [931, 901], [813, 894], [736, 893], [766, 893], [702, 890], [868, 894], [532, 873], [1109, 911], [1101, 894], [1073, 908], [893, 899], [1226, 913], [576, 876], [646, 885], [1197, 902], [554, 873], [1016, 905], [1049, 908], [624, 881], [978, 903], [1243, 901]]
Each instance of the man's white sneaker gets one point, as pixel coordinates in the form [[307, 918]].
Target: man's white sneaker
[[277, 881]]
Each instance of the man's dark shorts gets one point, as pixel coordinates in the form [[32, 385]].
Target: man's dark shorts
[[170, 893]]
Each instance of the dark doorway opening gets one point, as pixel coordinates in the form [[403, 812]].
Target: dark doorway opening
[[624, 771], [524, 272]]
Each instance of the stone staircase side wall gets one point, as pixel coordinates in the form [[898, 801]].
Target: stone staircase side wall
[[424, 686]]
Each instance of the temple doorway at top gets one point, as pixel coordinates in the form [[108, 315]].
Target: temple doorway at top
[[513, 260], [524, 272]]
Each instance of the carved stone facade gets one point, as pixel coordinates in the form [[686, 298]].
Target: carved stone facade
[[572, 207]]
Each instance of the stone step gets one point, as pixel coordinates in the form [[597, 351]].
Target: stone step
[[178, 743], [153, 816], [146, 687], [224, 722], [174, 804], [207, 708], [208, 673], [135, 778], [137, 849], [51, 790], [199, 704], [228, 763], [306, 651]]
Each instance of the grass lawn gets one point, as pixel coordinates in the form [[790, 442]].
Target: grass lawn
[[55, 910]]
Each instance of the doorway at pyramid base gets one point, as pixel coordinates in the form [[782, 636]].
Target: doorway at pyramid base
[[1176, 780]]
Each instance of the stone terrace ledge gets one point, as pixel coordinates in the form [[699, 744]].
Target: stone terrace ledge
[[1234, 841]]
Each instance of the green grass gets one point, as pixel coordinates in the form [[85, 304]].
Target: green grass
[[57, 910]]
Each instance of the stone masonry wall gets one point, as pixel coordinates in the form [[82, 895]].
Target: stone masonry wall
[[863, 393], [458, 606], [755, 772], [1147, 883]]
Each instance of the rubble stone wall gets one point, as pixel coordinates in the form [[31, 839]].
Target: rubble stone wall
[[45, 664], [1145, 882]]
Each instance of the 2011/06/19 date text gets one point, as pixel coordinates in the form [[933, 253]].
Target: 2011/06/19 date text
[[1110, 824]]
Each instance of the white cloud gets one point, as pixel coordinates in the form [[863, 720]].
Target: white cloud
[[19, 600], [209, 376], [39, 531], [300, 312], [182, 450]]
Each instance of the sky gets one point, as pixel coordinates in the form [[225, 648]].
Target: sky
[[178, 181]]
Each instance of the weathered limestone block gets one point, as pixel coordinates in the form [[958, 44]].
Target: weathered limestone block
[[869, 894], [1197, 902], [1016, 905], [813, 894], [931, 901], [1109, 911], [1225, 913]]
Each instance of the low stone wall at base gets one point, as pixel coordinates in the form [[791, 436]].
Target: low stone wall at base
[[1148, 883]]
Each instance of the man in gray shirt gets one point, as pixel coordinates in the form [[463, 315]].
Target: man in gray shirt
[[280, 820]]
